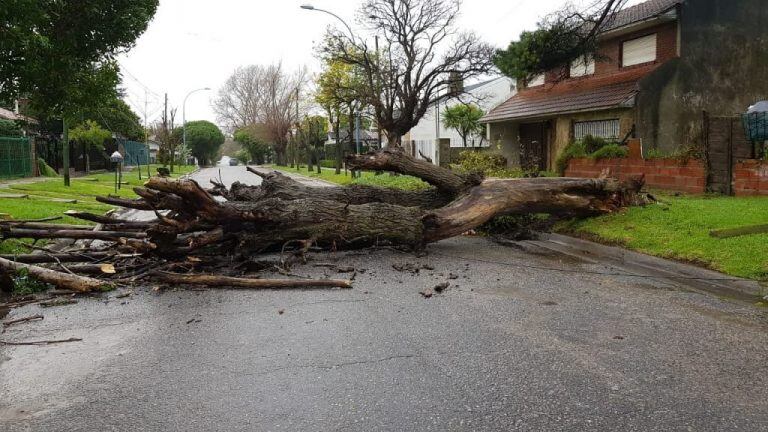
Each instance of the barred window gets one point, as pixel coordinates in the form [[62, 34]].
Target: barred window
[[608, 129]]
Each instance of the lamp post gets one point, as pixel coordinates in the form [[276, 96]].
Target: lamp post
[[312, 8], [117, 159], [184, 117]]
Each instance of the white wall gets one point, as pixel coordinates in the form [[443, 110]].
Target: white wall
[[486, 97]]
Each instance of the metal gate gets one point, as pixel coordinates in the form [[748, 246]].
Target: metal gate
[[15, 157]]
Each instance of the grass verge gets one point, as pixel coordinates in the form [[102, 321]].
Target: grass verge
[[84, 190], [678, 228], [366, 178]]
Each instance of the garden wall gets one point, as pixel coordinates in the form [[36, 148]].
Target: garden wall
[[750, 177], [667, 174]]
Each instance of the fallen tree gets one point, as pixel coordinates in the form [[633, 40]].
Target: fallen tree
[[194, 231]]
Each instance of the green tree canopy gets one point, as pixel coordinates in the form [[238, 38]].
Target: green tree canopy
[[465, 119], [117, 116], [253, 139], [561, 38], [90, 133], [204, 139], [61, 53], [9, 128]]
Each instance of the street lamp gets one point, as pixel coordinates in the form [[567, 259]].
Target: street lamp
[[184, 116], [117, 159], [312, 8]]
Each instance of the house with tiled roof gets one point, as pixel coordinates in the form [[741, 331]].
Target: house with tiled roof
[[660, 64]]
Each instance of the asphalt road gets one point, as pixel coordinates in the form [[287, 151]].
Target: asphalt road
[[508, 346]]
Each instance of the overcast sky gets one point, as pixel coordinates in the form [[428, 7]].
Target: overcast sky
[[198, 43]]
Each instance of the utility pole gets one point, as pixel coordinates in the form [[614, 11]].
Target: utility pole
[[65, 148], [378, 91]]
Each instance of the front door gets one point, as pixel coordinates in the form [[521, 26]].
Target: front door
[[533, 146]]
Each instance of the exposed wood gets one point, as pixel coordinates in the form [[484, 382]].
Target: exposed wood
[[39, 258], [215, 281], [740, 231], [45, 226], [56, 278], [68, 234], [109, 221], [14, 196]]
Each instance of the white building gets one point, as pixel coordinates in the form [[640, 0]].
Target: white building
[[487, 95]]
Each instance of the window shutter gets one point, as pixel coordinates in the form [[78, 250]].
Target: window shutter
[[581, 67], [639, 51], [536, 81]]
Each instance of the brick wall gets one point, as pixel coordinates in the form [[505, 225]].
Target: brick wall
[[666, 174], [750, 178]]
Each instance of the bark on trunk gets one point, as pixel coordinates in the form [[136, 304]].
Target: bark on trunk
[[282, 212]]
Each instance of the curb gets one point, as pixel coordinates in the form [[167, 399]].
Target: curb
[[687, 276]]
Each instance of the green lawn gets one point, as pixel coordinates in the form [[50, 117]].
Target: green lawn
[[38, 205], [678, 228], [366, 178]]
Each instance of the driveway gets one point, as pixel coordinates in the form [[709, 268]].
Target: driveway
[[522, 339]]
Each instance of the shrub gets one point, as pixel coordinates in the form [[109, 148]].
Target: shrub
[[9, 128], [489, 164], [328, 163], [610, 151], [571, 151], [45, 169], [592, 143]]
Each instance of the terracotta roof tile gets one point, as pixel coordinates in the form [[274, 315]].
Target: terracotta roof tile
[[587, 94]]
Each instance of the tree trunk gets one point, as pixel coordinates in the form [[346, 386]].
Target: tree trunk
[[339, 150], [282, 212]]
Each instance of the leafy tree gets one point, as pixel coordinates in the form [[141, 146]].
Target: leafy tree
[[465, 118], [117, 116], [61, 53], [335, 93], [91, 135], [204, 139], [9, 128], [561, 38], [313, 132], [255, 146]]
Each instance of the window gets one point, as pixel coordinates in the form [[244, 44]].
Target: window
[[608, 129], [582, 67], [536, 81], [638, 51]]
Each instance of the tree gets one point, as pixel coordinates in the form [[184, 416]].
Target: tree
[[9, 128], [252, 139], [561, 38], [465, 118], [61, 54], [424, 59], [117, 116], [335, 92], [265, 95], [204, 139], [313, 132], [91, 135]]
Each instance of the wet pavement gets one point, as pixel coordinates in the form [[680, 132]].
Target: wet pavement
[[519, 341]]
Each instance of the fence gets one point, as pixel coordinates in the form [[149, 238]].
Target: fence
[[15, 157], [136, 153]]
